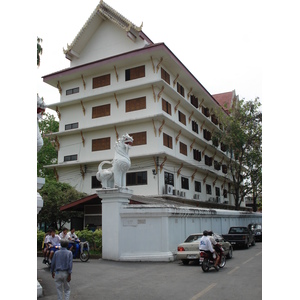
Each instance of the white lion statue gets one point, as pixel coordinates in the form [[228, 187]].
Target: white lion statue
[[116, 175]]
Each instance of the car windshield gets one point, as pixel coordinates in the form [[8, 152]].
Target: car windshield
[[193, 238]]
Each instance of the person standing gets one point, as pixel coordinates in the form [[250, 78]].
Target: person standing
[[61, 269]]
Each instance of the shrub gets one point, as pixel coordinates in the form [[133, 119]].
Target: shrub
[[97, 235], [40, 239]]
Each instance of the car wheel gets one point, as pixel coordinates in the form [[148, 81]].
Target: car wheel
[[185, 261], [229, 254], [247, 245]]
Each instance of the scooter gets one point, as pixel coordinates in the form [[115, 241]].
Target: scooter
[[207, 262], [81, 250]]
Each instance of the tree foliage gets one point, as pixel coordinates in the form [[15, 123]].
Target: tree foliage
[[242, 135], [39, 51], [48, 154], [56, 194]]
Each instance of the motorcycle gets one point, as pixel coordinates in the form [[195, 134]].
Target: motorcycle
[[207, 262], [81, 250]]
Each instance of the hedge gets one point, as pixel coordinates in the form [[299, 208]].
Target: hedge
[[93, 237]]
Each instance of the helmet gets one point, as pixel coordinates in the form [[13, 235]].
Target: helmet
[[210, 233]]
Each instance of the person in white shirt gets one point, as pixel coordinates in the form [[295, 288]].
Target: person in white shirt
[[213, 242], [46, 251], [205, 245], [64, 234], [54, 244], [72, 237]]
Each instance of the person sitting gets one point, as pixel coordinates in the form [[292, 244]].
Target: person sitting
[[214, 243], [205, 245], [54, 244], [46, 251], [72, 237], [64, 233]]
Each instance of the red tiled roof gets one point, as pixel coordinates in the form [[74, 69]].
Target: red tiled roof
[[225, 98]]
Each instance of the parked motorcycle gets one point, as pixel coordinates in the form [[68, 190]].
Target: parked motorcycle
[[81, 250], [207, 262]]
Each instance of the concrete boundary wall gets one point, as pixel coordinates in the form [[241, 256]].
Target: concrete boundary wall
[[153, 232]]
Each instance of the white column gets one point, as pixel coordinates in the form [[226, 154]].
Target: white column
[[112, 201]]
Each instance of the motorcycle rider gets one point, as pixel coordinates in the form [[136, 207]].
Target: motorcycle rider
[[54, 244], [206, 245], [214, 243], [72, 237]]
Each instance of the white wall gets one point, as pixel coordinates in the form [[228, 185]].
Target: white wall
[[153, 232]]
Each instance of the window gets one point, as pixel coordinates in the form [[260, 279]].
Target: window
[[214, 119], [134, 73], [225, 193], [139, 138], [181, 117], [136, 178], [197, 154], [208, 160], [101, 81], [194, 101], [165, 75], [180, 89], [101, 144], [167, 141], [96, 184], [218, 192], [224, 169], [184, 183], [71, 126], [72, 91], [208, 189], [101, 111], [169, 178], [205, 111], [166, 106], [197, 186], [195, 126], [217, 165], [207, 134], [223, 147], [215, 141], [136, 104], [183, 148], [70, 157]]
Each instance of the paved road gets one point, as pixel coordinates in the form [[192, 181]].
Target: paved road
[[241, 278]]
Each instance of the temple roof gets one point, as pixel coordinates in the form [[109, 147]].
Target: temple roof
[[102, 12], [226, 100]]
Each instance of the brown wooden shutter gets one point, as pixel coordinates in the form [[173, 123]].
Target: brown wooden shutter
[[135, 104], [183, 148], [139, 138], [182, 117], [165, 75], [167, 140], [101, 111], [101, 81], [101, 144]]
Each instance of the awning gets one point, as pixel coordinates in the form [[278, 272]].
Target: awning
[[78, 205]]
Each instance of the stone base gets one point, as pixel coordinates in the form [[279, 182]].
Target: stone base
[[159, 256], [39, 290]]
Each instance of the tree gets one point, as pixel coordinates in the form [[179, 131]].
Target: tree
[[39, 51], [242, 135], [48, 153], [56, 194]]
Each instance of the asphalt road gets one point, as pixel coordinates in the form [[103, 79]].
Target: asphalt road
[[241, 278]]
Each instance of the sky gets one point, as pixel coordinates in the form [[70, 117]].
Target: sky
[[218, 41]]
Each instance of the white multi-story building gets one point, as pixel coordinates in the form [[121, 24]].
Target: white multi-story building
[[120, 82]]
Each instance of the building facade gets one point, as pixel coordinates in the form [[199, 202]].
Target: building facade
[[120, 82]]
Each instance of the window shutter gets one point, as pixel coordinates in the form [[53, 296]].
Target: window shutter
[[101, 144], [101, 81]]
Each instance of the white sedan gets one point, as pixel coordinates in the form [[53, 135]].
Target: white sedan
[[189, 249]]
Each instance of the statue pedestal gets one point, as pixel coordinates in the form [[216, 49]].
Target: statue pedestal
[[112, 201]]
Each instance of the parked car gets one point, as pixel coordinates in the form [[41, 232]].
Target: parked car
[[189, 249], [257, 230], [240, 236]]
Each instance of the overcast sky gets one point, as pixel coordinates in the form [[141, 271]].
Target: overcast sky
[[218, 41]]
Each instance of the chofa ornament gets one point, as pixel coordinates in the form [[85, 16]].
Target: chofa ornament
[[116, 175]]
